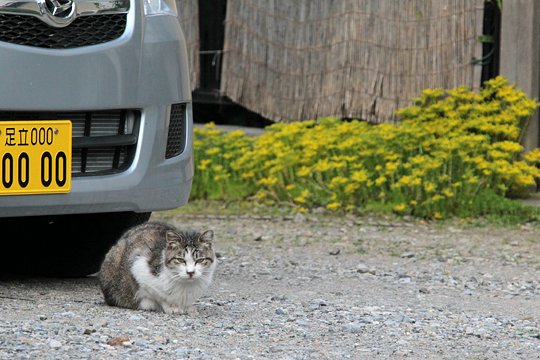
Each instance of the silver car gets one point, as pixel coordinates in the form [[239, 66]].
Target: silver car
[[95, 125]]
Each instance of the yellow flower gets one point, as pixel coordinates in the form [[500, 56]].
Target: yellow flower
[[508, 146], [337, 181], [359, 176], [391, 157], [416, 181], [437, 215], [405, 180], [260, 195], [333, 206], [525, 180], [399, 208], [380, 180], [270, 181], [448, 192], [204, 164], [323, 165], [236, 134], [533, 156], [429, 187], [303, 171], [221, 177], [302, 198], [418, 160], [212, 132], [391, 167], [496, 154], [212, 151], [433, 164]]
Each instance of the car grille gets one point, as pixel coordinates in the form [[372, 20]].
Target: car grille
[[104, 142], [84, 31]]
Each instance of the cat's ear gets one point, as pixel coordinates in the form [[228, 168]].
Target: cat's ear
[[173, 239], [207, 236]]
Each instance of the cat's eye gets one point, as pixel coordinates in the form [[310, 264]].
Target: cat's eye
[[178, 261], [203, 261]]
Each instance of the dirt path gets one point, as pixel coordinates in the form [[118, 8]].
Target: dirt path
[[307, 288]]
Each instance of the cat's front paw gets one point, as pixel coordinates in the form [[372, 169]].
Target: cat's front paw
[[170, 309]]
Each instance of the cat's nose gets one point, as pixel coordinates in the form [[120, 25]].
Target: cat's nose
[[190, 273]]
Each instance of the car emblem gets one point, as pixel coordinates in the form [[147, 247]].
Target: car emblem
[[58, 7], [57, 13]]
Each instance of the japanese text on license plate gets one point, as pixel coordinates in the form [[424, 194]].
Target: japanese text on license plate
[[35, 157]]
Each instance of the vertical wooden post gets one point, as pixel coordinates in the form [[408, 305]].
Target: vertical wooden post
[[520, 54]]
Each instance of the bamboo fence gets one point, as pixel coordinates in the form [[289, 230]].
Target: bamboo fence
[[188, 16], [305, 59]]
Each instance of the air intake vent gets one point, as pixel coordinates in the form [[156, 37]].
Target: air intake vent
[[176, 139]]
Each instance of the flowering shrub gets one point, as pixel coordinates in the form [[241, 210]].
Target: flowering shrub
[[450, 147], [214, 153]]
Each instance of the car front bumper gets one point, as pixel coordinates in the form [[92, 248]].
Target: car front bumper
[[145, 69]]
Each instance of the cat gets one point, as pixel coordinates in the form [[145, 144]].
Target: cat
[[155, 266]]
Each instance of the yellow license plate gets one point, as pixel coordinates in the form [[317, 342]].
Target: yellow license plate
[[35, 157]]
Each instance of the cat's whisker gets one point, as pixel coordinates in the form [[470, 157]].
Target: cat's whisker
[[205, 277], [175, 276]]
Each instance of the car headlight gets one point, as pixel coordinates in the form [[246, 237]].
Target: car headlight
[[160, 7]]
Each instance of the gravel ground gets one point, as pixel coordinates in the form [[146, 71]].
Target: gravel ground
[[307, 288]]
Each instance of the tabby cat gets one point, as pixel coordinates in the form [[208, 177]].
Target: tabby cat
[[155, 266]]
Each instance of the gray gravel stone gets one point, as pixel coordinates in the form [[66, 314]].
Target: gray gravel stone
[[281, 311], [55, 344]]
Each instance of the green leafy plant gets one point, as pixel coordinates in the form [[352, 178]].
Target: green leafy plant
[[450, 149]]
